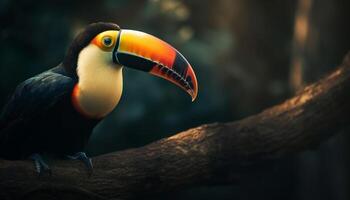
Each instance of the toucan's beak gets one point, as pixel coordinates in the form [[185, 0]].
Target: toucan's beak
[[138, 50]]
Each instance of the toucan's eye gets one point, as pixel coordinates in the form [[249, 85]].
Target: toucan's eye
[[107, 41]]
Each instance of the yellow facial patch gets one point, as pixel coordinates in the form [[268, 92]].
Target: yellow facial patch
[[106, 40]]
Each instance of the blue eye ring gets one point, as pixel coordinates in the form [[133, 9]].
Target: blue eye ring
[[107, 41]]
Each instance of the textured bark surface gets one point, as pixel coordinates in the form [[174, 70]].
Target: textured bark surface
[[216, 153]]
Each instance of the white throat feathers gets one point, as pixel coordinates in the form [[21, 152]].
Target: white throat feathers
[[100, 83]]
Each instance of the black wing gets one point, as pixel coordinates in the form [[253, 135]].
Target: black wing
[[35, 96]]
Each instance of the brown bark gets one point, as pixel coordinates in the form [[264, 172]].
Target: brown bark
[[209, 154]]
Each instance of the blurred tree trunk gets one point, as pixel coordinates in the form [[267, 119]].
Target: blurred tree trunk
[[263, 30], [301, 31]]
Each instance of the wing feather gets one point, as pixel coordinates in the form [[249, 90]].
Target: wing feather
[[35, 96]]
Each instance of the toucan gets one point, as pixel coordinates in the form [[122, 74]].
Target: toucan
[[54, 112]]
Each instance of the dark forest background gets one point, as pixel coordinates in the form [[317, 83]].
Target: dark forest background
[[248, 55]]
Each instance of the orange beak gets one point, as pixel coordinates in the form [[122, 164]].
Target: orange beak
[[138, 50]]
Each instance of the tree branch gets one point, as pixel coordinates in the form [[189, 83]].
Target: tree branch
[[208, 154]]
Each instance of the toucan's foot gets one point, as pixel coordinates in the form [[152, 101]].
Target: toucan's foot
[[83, 157], [40, 166]]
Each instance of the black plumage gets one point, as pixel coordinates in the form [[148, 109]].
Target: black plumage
[[40, 118]]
